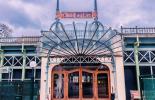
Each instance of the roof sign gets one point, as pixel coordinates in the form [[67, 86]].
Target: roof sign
[[77, 15]]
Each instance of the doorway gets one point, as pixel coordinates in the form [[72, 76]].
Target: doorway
[[80, 83]]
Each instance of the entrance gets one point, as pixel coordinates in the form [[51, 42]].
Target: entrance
[[80, 83]]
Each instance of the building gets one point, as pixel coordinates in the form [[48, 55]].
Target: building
[[16, 73], [79, 61], [145, 60], [18, 52]]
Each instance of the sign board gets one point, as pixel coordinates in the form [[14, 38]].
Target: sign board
[[135, 94], [5, 70], [77, 15]]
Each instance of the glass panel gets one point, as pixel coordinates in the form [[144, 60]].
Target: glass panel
[[145, 70], [38, 73], [28, 73], [153, 69], [102, 81], [5, 75], [58, 86], [87, 85], [17, 73], [73, 85]]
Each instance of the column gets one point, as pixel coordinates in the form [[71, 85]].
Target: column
[[24, 62], [1, 62], [120, 79]]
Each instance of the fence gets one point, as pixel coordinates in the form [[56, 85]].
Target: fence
[[138, 30], [20, 40]]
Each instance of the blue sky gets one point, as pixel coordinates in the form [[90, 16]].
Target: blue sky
[[28, 17]]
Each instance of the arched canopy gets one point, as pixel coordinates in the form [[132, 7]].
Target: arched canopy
[[80, 39]]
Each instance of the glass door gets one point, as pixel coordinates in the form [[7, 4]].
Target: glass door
[[87, 84], [81, 84], [73, 85], [58, 86], [103, 87]]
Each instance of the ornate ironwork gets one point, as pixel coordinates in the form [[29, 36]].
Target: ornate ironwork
[[145, 56], [78, 39], [80, 43], [17, 60], [81, 59]]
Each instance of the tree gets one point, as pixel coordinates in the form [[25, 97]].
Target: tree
[[5, 31]]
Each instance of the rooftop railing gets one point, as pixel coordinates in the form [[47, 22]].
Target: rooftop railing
[[138, 30], [20, 40]]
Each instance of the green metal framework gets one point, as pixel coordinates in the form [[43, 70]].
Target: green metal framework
[[139, 52], [16, 54]]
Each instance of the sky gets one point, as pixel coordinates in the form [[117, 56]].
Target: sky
[[29, 17]]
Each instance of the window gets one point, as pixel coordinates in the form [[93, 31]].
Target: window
[[28, 73], [153, 69], [17, 73], [5, 75], [38, 73], [145, 70]]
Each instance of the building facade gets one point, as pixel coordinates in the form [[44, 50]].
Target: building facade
[[16, 73], [89, 76], [83, 60], [145, 61]]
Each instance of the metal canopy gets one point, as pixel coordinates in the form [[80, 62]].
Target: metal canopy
[[80, 39]]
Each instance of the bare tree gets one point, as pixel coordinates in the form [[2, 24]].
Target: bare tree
[[5, 31]]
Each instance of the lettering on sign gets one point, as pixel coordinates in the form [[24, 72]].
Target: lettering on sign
[[80, 15]]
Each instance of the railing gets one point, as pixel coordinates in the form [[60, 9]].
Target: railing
[[20, 40], [138, 30]]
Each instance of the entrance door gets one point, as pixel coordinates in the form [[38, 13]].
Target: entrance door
[[87, 85], [73, 84], [80, 84]]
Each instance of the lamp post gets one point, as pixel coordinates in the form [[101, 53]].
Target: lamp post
[[32, 65]]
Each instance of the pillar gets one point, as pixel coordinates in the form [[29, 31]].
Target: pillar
[[24, 62], [120, 78], [1, 62]]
